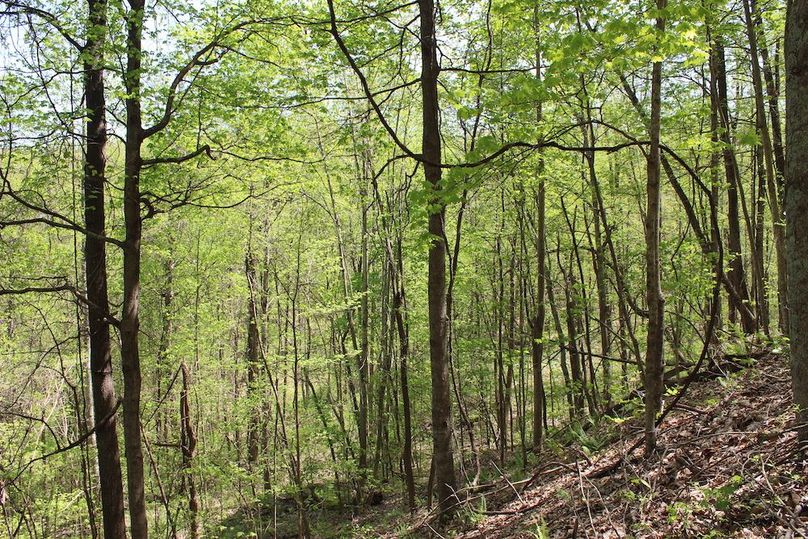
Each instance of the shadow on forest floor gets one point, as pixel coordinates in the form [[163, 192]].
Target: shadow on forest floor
[[728, 466]]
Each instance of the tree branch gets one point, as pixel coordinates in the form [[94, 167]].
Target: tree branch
[[197, 60], [84, 437], [179, 159], [50, 18], [334, 31]]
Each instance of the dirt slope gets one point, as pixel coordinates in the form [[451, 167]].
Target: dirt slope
[[728, 468]]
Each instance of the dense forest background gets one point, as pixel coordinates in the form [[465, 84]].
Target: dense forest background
[[266, 257]]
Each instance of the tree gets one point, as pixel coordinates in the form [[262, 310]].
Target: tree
[[537, 322], [95, 259], [393, 197], [654, 361], [439, 364], [796, 200], [130, 319]]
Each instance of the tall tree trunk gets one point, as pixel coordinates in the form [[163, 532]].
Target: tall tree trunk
[[772, 94], [758, 265], [773, 192], [498, 320], [385, 364], [454, 362], [166, 330], [95, 259], [576, 384], [736, 274], [441, 400], [399, 306], [715, 191], [588, 366], [537, 322], [303, 530], [363, 367], [654, 361], [188, 447], [578, 317], [130, 321], [598, 259], [562, 347], [796, 201], [253, 360]]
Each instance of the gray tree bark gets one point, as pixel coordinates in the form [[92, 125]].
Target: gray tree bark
[[796, 200]]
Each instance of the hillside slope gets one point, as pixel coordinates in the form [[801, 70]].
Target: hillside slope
[[728, 468]]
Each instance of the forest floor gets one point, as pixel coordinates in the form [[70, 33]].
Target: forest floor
[[728, 466]]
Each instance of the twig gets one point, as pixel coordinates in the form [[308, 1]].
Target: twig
[[84, 437], [507, 481]]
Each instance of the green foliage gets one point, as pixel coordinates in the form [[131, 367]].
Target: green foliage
[[721, 497], [301, 177], [591, 442], [541, 530]]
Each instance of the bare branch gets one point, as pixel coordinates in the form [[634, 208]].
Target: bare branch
[[334, 31], [179, 159], [19, 8], [34, 290], [80, 441], [199, 59]]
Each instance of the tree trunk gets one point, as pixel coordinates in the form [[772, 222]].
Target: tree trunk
[[253, 361], [537, 323], [772, 97], [166, 330], [576, 383], [188, 446], [399, 309], [758, 254], [736, 274], [771, 182], [130, 321], [385, 364], [599, 262], [363, 366], [454, 363], [563, 347], [95, 259], [399, 306], [654, 361], [441, 400], [796, 201], [498, 320]]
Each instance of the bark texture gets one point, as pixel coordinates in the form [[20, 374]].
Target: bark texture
[[95, 259], [654, 360], [130, 321], [445, 481], [796, 200]]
